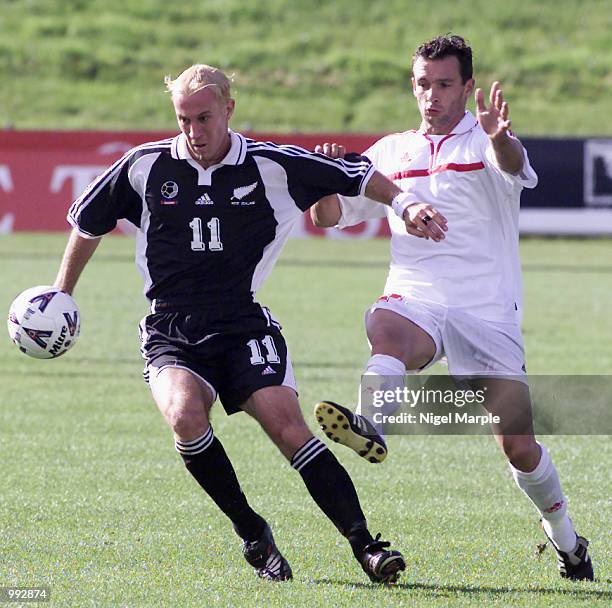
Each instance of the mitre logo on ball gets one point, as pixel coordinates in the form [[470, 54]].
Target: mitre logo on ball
[[44, 322]]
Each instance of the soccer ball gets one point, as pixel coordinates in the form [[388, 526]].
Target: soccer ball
[[44, 322]]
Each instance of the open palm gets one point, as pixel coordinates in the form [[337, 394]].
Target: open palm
[[494, 118]]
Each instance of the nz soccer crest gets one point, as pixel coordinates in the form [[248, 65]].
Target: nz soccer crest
[[169, 192]]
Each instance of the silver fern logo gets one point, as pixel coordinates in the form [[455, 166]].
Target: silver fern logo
[[241, 193]]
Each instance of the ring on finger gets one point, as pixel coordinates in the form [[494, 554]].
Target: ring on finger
[[426, 218]]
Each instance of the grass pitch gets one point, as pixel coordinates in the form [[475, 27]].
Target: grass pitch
[[96, 504]]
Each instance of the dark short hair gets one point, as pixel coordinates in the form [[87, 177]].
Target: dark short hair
[[447, 46]]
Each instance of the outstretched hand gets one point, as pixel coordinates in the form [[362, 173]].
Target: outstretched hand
[[493, 119]]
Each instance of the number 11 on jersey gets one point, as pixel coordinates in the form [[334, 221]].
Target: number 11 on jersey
[[197, 242]]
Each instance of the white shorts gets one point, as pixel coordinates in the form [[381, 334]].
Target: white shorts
[[473, 346]]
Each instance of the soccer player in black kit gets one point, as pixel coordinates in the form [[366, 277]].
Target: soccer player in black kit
[[213, 210]]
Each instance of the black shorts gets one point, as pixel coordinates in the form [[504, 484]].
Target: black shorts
[[234, 360]]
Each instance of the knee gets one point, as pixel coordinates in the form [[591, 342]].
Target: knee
[[288, 431], [393, 335], [384, 337], [522, 451], [277, 410], [187, 419], [291, 434]]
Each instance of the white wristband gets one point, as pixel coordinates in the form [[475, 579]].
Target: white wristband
[[401, 202]]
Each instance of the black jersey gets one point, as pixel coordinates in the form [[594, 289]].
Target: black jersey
[[212, 233]]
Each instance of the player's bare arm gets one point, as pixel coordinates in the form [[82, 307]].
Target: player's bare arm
[[76, 255], [326, 212], [421, 219], [495, 123]]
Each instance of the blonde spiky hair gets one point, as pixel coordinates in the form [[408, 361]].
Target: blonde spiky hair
[[197, 77]]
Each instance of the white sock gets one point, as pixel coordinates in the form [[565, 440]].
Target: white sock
[[543, 488], [382, 373]]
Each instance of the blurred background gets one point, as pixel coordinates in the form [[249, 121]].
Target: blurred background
[[299, 65], [337, 67]]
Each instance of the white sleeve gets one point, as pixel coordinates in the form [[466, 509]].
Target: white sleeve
[[357, 209], [526, 177]]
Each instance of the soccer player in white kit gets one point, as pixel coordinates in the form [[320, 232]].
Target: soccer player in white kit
[[456, 292]]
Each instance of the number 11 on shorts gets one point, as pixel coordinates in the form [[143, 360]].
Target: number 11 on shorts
[[256, 355]]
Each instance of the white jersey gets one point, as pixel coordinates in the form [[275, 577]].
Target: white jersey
[[477, 266]]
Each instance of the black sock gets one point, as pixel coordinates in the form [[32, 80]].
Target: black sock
[[207, 461], [332, 489]]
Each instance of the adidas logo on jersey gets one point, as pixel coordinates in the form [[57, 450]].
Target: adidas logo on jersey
[[240, 193], [268, 371], [204, 200]]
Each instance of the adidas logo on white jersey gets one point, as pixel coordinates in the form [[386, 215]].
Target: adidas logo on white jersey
[[268, 371], [204, 200]]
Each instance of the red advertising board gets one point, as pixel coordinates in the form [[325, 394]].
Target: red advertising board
[[42, 172]]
